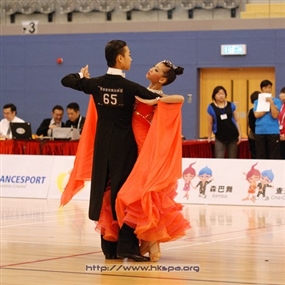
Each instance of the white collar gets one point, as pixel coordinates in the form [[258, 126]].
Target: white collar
[[115, 71], [52, 122]]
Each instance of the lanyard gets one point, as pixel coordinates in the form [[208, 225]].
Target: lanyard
[[79, 121], [222, 110], [281, 121]]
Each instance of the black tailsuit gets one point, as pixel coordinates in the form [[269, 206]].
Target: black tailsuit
[[115, 150]]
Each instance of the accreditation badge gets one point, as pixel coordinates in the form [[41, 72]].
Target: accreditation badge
[[223, 116]]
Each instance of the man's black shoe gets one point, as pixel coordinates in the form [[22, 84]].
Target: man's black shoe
[[135, 257], [110, 256]]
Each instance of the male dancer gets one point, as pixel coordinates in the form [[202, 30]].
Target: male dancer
[[115, 150]]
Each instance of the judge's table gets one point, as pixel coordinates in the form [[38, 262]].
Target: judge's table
[[190, 148], [39, 147]]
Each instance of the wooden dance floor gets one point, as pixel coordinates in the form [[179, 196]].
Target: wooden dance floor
[[44, 245]]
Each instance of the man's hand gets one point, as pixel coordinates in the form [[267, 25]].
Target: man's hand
[[52, 126], [85, 72], [269, 99]]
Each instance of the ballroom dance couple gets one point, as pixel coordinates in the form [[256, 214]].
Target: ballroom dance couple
[[130, 149]]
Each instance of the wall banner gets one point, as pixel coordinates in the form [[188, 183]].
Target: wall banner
[[25, 176], [242, 182], [245, 182], [59, 178]]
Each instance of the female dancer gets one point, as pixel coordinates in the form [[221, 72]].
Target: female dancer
[[146, 200]]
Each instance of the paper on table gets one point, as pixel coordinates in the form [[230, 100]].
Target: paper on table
[[262, 105]]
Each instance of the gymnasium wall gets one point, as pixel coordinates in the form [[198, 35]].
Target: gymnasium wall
[[30, 75]]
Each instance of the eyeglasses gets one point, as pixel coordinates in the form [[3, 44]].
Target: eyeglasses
[[169, 64]]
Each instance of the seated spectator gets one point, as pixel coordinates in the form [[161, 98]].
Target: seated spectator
[[9, 113], [75, 119], [45, 128]]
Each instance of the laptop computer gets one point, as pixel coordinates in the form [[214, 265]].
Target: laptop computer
[[21, 131], [65, 134]]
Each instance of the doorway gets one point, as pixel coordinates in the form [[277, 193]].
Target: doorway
[[240, 83]]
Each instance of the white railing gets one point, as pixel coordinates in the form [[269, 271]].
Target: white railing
[[50, 7]]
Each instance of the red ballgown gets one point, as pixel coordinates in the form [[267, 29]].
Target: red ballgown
[[82, 167], [146, 200]]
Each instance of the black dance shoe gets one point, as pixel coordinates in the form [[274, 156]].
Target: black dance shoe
[[135, 257]]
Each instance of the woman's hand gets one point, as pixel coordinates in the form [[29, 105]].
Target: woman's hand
[[239, 139], [147, 101]]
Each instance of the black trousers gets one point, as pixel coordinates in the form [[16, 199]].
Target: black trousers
[[127, 241], [252, 148], [108, 247], [267, 146], [282, 149]]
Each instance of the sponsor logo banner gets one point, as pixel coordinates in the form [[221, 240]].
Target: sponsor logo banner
[[26, 176]]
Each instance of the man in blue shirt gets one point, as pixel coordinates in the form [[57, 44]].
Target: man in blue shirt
[[267, 134]]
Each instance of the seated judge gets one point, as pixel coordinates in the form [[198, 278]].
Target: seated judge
[[75, 120], [9, 113], [45, 128]]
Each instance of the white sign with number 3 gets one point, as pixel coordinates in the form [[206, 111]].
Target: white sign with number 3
[[30, 27]]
